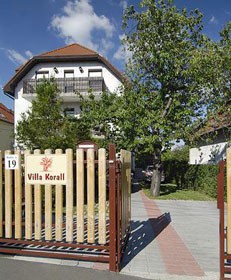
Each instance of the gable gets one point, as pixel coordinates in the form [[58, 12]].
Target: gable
[[70, 53]]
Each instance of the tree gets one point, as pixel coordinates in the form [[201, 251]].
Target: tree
[[169, 89], [176, 78], [100, 116], [44, 126]]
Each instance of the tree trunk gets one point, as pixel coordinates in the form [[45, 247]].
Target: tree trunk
[[156, 177]]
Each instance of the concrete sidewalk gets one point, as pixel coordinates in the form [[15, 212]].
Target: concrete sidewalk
[[173, 240]]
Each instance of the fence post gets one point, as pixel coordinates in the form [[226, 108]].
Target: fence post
[[112, 205], [228, 168], [1, 201], [220, 204]]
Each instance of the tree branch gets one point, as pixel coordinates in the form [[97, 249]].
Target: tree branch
[[167, 107]]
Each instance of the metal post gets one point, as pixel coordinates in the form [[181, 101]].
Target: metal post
[[228, 174]]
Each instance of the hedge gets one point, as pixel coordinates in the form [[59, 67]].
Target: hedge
[[202, 178]]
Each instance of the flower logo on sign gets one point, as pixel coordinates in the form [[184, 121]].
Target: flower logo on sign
[[46, 162]]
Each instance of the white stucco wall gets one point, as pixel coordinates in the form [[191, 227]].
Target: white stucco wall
[[210, 154], [22, 104]]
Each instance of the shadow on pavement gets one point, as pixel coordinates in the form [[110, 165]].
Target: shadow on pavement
[[143, 233]]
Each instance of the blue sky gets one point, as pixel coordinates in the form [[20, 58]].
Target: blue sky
[[30, 27]]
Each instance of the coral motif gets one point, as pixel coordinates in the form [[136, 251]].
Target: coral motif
[[46, 162]]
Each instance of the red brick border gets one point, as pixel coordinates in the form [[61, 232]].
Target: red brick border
[[175, 254]]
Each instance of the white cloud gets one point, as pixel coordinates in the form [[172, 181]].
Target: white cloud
[[16, 57], [123, 4], [213, 20], [79, 23], [28, 53], [122, 52]]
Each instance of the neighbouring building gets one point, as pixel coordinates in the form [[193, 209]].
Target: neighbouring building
[[6, 128], [75, 69], [218, 131]]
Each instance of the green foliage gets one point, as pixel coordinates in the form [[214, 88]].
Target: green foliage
[[101, 117], [202, 178], [180, 154], [175, 164], [44, 126], [172, 70], [174, 78]]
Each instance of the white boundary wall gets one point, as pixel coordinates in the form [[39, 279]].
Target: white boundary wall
[[209, 154]]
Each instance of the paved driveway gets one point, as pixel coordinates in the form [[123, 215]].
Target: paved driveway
[[173, 239]]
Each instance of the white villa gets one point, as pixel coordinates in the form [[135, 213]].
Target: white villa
[[75, 68]]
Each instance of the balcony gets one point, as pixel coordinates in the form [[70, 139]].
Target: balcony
[[68, 87]]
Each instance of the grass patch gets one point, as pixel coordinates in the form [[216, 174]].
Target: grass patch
[[170, 192]]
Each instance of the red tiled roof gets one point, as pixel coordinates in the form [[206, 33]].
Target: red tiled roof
[[73, 49], [6, 114], [221, 120]]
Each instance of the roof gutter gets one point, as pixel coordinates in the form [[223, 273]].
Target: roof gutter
[[8, 95]]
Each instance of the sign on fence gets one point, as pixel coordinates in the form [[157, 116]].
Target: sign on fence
[[46, 169], [11, 162]]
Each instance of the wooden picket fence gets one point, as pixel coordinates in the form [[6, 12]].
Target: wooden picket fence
[[87, 218]]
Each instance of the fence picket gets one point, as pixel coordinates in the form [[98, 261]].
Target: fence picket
[[48, 207], [37, 207], [8, 200], [90, 196], [80, 194], [102, 196], [18, 198], [58, 208], [125, 157], [1, 200], [69, 196], [128, 176], [28, 206]]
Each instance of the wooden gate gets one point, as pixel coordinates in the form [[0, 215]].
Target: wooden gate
[[82, 212], [224, 206]]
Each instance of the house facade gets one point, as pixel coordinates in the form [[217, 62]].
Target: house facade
[[75, 69], [218, 131], [6, 128]]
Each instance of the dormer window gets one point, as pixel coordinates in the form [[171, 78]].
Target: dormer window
[[95, 73], [68, 74], [39, 75]]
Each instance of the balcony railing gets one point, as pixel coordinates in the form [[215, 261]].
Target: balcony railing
[[69, 86]]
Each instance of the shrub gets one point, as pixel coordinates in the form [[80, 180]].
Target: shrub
[[201, 178]]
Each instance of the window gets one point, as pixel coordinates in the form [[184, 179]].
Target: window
[[94, 73], [68, 80], [68, 74], [41, 75], [69, 112], [95, 79]]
